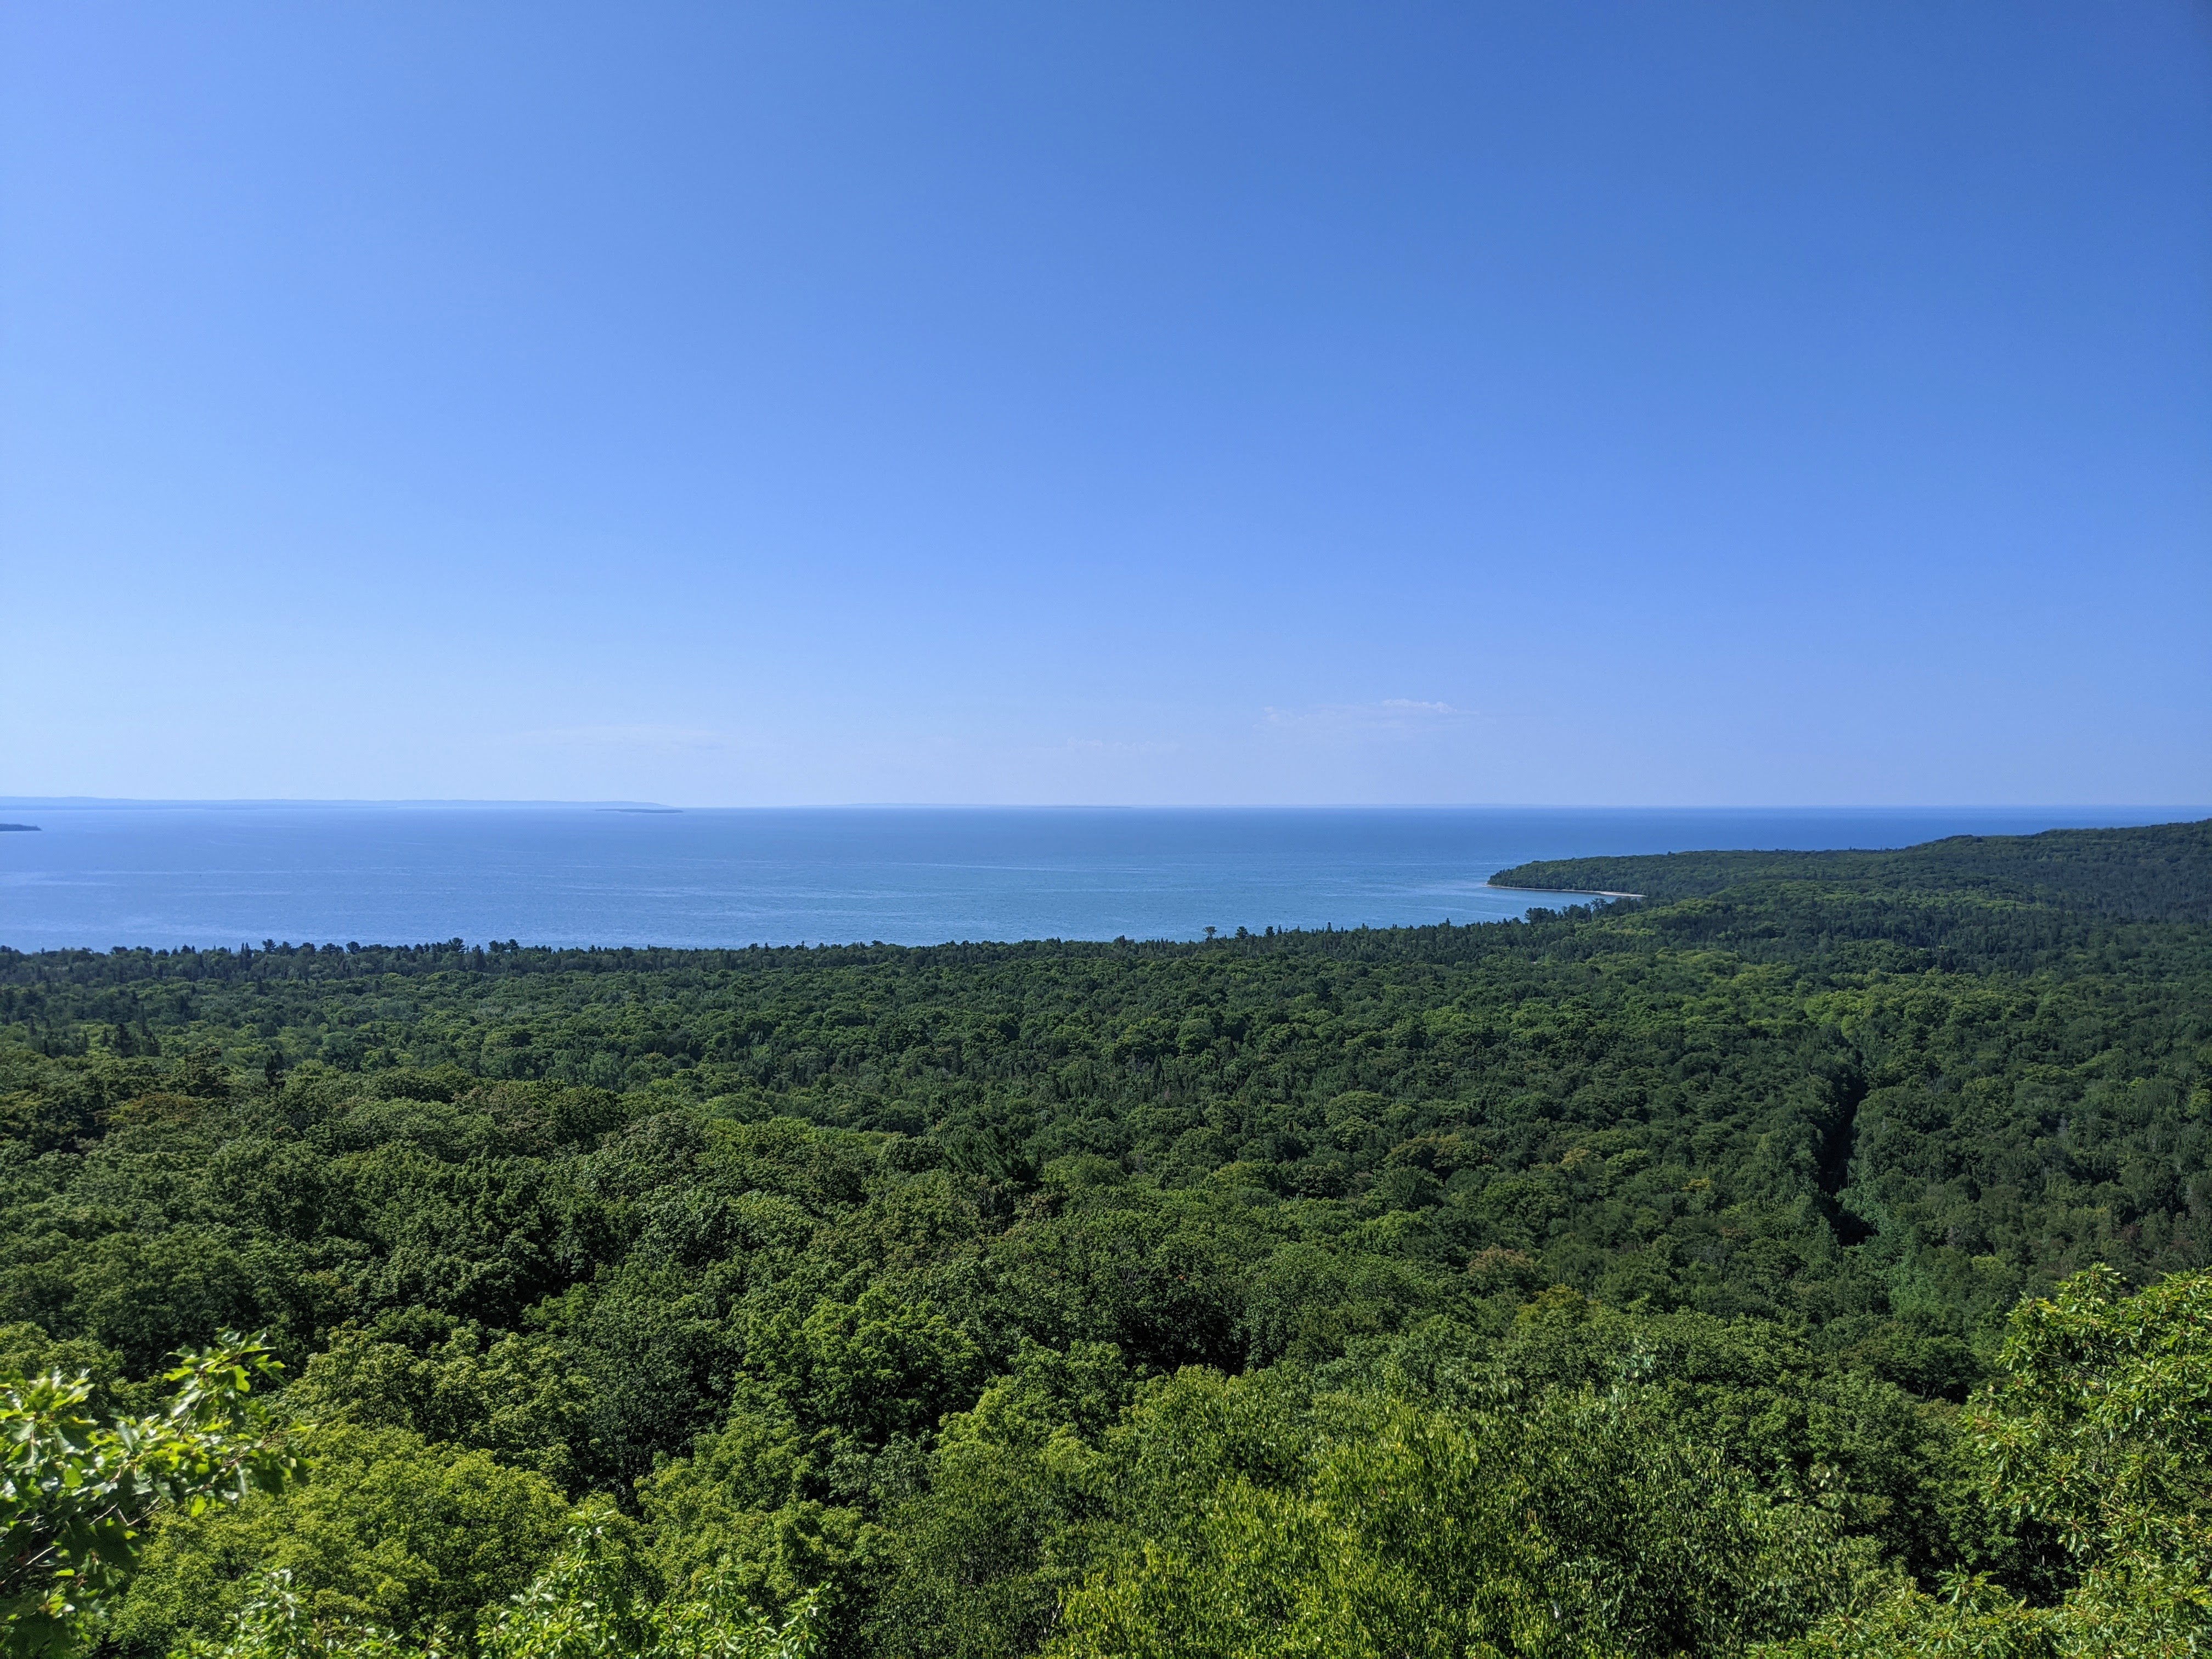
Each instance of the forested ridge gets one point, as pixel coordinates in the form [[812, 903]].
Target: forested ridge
[[1638, 1279]]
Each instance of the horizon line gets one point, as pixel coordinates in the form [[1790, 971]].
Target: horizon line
[[68, 803]]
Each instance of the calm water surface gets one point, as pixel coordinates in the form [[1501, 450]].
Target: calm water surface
[[165, 876]]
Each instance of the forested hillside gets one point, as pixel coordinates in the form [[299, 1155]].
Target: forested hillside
[[2154, 876], [1104, 1297]]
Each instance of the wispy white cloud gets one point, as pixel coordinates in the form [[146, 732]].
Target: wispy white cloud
[[1388, 717], [1122, 746], [642, 736]]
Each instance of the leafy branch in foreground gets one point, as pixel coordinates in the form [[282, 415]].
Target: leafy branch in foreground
[[594, 1602], [76, 1494], [2098, 1426]]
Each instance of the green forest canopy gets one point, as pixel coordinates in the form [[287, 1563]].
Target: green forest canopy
[[1105, 1298]]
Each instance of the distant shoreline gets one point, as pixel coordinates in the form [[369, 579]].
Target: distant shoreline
[[6, 827], [1576, 892]]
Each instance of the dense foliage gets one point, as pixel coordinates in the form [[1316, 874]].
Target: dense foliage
[[77, 1494], [1634, 1280]]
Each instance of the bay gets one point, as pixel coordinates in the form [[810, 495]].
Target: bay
[[99, 875]]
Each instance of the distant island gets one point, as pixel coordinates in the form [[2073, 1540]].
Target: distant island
[[18, 826]]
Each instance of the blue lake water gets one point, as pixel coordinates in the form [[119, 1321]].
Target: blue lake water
[[105, 875]]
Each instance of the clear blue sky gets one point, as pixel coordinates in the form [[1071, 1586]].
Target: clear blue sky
[[718, 405]]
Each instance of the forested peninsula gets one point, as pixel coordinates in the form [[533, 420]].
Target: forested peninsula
[[1807, 1258]]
